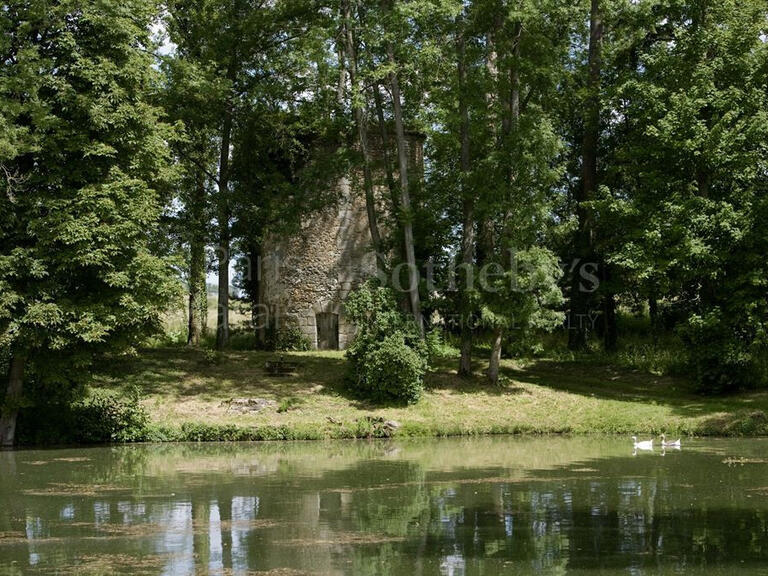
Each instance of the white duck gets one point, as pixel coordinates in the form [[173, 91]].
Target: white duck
[[643, 445], [671, 443]]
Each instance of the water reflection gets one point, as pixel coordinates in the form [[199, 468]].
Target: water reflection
[[454, 507]]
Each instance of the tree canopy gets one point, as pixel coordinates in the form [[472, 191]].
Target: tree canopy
[[584, 162]]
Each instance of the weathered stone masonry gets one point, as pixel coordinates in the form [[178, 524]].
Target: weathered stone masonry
[[305, 278]]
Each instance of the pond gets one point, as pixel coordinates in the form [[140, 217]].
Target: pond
[[492, 505]]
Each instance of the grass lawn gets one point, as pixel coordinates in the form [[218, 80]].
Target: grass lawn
[[187, 397]]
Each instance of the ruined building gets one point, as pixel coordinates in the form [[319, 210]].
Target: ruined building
[[306, 277]]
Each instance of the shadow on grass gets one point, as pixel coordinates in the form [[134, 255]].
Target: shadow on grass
[[444, 378], [611, 383], [186, 372]]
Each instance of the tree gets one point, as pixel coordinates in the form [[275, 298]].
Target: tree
[[402, 164], [360, 115], [186, 94], [692, 201], [82, 153], [585, 191], [467, 196], [233, 42]]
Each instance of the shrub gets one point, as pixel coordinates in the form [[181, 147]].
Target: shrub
[[72, 417], [725, 355], [388, 358], [289, 403], [288, 338], [106, 417], [438, 347], [392, 371], [212, 357]]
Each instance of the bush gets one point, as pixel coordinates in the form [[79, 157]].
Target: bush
[[212, 357], [289, 403], [106, 417], [438, 347], [725, 356], [388, 358], [102, 416], [392, 371], [287, 338]]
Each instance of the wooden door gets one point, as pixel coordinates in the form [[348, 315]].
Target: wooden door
[[327, 331]]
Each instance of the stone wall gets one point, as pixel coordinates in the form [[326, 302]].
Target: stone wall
[[314, 270]]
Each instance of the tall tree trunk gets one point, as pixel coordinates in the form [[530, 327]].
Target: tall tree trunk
[[253, 283], [197, 291], [204, 307], [342, 70], [361, 123], [394, 193], [580, 299], [653, 312], [467, 212], [388, 171], [495, 361], [197, 295], [405, 199], [10, 409], [610, 329], [222, 325], [510, 120], [485, 245]]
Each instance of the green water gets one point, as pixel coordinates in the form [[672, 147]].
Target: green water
[[472, 506]]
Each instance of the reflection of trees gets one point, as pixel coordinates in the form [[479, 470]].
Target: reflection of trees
[[372, 508]]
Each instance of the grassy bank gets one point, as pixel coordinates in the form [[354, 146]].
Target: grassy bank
[[188, 394]]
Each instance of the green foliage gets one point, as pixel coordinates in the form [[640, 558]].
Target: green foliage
[[287, 338], [202, 432], [106, 417], [289, 403], [84, 163], [526, 296], [212, 357], [683, 212], [101, 416], [392, 371], [725, 355], [438, 346], [388, 359]]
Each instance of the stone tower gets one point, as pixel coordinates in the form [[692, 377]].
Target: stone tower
[[306, 277]]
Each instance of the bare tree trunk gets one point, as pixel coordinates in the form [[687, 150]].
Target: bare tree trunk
[[405, 200], [263, 317], [204, 307], [342, 70], [197, 291], [580, 300], [222, 324], [610, 329], [252, 281], [510, 120], [361, 123], [385, 147], [10, 409], [389, 172], [485, 242], [468, 214], [196, 296], [495, 360]]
